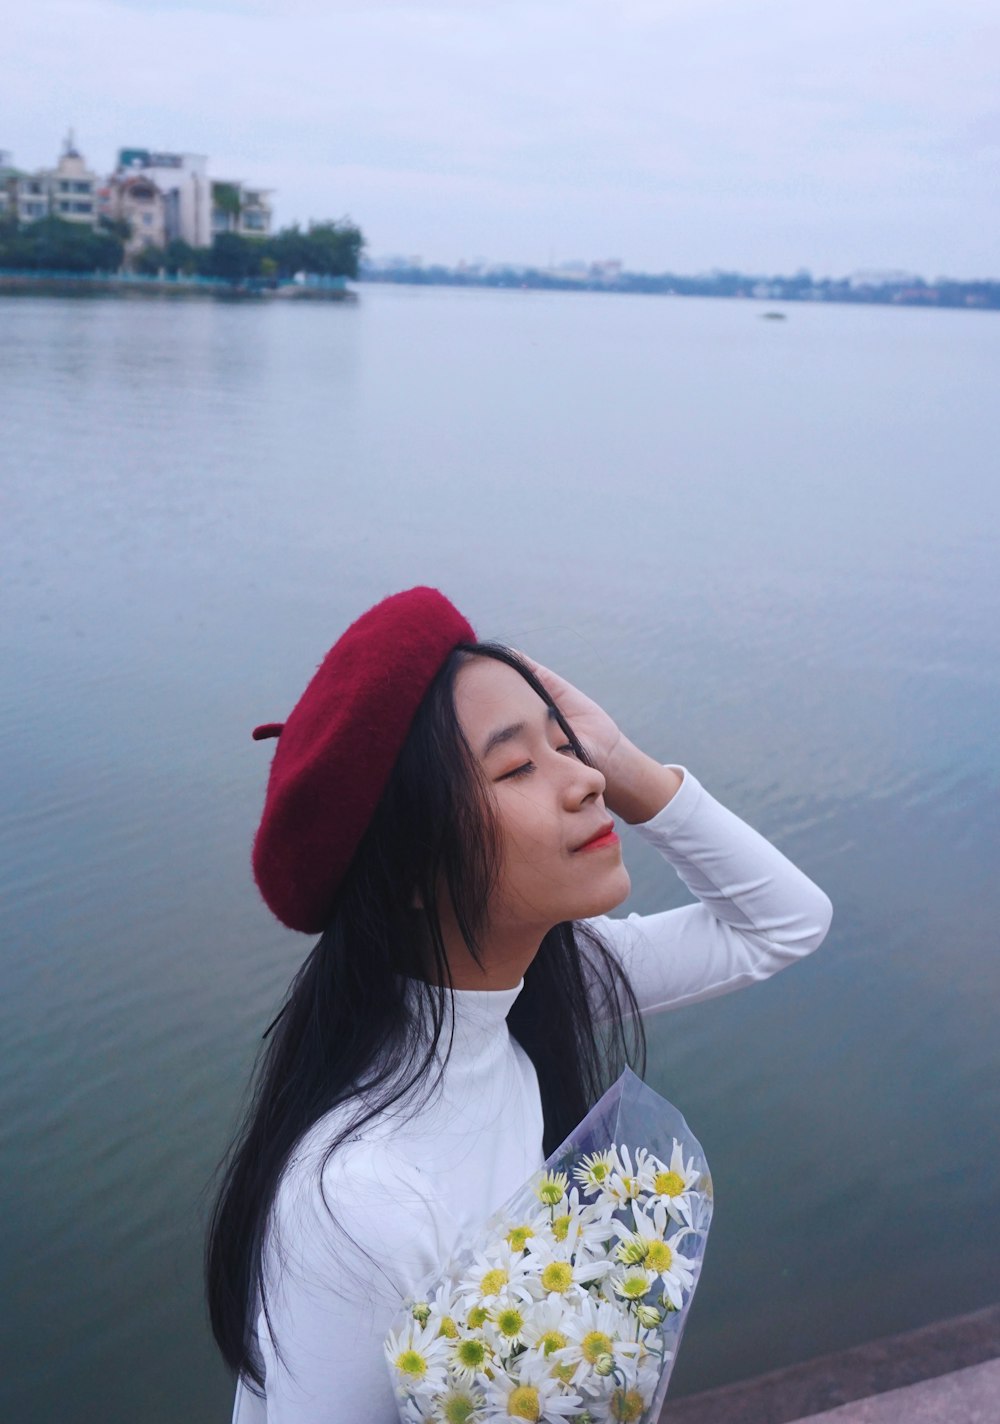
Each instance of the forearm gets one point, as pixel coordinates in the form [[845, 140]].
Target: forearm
[[638, 787], [758, 912]]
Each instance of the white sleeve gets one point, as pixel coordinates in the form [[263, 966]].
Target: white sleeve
[[757, 912], [331, 1305]]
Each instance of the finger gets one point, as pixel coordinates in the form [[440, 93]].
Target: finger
[[545, 675]]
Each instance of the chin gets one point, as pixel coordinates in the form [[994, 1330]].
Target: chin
[[608, 896]]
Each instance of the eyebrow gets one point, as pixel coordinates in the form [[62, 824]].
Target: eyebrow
[[507, 734]]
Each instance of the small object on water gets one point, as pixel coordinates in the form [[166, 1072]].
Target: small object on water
[[773, 316]]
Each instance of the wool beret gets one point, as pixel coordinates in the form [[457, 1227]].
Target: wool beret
[[338, 746]]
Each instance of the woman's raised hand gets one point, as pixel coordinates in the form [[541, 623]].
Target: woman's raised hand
[[598, 732], [637, 786]]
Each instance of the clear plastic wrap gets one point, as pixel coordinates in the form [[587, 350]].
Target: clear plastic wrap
[[571, 1301]]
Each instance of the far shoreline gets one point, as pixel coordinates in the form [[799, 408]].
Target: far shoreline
[[118, 284]]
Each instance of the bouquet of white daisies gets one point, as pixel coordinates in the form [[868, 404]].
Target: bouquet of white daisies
[[571, 1303]]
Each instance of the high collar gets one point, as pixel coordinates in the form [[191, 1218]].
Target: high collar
[[480, 1019]]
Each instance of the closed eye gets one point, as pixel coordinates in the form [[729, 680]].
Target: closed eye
[[529, 766], [518, 771]]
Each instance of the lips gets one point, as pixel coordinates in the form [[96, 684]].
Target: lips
[[605, 835]]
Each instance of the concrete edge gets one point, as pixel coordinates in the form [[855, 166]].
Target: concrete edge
[[795, 1393]]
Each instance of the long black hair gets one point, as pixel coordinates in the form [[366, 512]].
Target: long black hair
[[358, 1009]]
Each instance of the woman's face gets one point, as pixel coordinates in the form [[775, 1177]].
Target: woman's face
[[549, 805]]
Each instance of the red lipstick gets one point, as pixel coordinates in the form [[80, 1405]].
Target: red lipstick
[[606, 836]]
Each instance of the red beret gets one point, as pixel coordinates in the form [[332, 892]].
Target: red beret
[[339, 745]]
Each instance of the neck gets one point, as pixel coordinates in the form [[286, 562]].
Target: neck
[[505, 957]]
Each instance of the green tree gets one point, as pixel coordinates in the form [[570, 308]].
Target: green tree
[[234, 258], [226, 199], [118, 227], [180, 256], [149, 260], [291, 251], [336, 248], [328, 249], [56, 245]]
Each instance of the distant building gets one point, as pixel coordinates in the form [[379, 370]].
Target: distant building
[[8, 173], [894, 277], [237, 208], [135, 199], [182, 180], [68, 191]]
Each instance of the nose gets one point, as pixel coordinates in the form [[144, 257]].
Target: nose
[[583, 784]]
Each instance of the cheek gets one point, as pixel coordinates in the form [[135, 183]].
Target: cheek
[[530, 831]]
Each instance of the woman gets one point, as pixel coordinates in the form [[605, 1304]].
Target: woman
[[441, 811]]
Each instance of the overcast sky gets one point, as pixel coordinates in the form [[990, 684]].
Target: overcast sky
[[676, 135]]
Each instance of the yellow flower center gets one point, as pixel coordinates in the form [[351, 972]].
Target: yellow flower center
[[448, 1328], [552, 1188], [553, 1340], [411, 1362], [478, 1317], [459, 1409], [633, 1287], [494, 1281], [557, 1276], [631, 1186], [523, 1403], [659, 1257], [594, 1344], [471, 1353], [668, 1184], [627, 1404], [510, 1322], [560, 1227], [517, 1237], [563, 1373]]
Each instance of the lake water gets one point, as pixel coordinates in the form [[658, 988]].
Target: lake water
[[770, 548]]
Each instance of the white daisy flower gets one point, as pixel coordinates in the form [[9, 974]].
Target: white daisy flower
[[672, 1185], [470, 1356], [545, 1325], [551, 1187], [497, 1272], [633, 1284], [556, 1270], [417, 1357], [506, 1326], [647, 1250], [575, 1226], [442, 1312], [623, 1184], [601, 1337], [519, 1233], [625, 1403], [460, 1404], [594, 1170], [533, 1395]]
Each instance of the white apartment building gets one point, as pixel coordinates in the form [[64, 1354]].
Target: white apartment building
[[237, 208], [182, 179]]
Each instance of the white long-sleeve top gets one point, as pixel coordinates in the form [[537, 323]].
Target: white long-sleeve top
[[350, 1240]]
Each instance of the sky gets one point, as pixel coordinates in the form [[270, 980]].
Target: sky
[[763, 136]]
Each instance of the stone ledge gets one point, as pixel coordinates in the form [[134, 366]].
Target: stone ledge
[[820, 1385], [969, 1396]]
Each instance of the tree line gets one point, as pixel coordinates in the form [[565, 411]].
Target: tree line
[[326, 249]]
